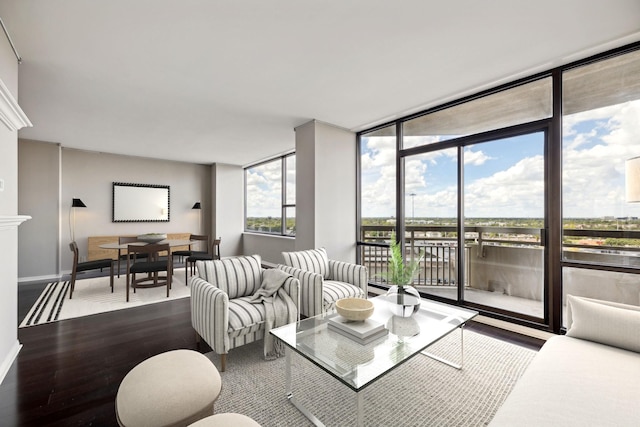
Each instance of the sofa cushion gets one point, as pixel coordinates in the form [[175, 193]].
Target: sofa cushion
[[236, 276], [573, 382], [599, 322], [314, 260], [244, 317]]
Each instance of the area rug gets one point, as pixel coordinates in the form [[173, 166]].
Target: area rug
[[421, 392], [93, 296]]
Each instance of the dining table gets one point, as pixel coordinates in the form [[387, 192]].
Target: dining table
[[171, 242]]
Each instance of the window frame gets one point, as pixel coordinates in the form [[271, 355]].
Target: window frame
[[283, 195], [555, 263]]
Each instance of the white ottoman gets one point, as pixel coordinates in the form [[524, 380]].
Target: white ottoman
[[175, 388], [226, 420]]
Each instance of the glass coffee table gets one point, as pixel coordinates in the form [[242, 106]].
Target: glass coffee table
[[358, 365]]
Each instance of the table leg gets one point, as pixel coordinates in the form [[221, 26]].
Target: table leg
[[458, 366], [119, 262], [294, 402], [360, 408]]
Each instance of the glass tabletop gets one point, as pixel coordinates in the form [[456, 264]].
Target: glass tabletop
[[356, 364]]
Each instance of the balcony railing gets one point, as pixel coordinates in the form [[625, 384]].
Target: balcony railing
[[440, 243], [504, 266]]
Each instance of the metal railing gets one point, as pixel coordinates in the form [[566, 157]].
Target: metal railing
[[440, 243], [437, 268]]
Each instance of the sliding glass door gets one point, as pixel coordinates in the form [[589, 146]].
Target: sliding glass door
[[519, 195], [504, 207]]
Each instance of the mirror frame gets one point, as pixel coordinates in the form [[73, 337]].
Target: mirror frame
[[143, 200]]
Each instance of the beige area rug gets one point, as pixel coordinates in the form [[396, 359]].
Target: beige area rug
[[93, 296], [421, 392]]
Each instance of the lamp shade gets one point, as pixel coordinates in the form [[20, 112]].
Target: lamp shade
[[77, 203], [197, 206], [632, 179]]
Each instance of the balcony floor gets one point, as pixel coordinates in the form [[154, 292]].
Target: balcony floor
[[491, 299]]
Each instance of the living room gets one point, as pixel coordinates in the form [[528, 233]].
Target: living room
[[157, 141]]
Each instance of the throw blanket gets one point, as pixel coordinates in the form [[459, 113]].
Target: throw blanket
[[279, 308]]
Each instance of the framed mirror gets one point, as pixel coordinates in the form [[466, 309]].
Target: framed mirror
[[140, 202]]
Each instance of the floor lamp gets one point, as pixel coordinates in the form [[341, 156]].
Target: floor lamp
[[198, 206], [75, 203]]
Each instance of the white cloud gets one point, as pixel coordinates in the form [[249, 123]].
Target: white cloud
[[476, 158], [593, 163], [414, 170], [378, 177], [515, 192], [264, 188]]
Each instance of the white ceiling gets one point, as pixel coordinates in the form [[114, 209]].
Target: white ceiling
[[228, 81]]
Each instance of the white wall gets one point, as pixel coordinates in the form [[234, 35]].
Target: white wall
[[39, 196], [335, 185], [305, 186], [326, 190], [270, 248], [90, 176], [9, 345], [228, 207]]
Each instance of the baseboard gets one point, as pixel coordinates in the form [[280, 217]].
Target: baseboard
[[512, 327], [8, 361], [24, 280]]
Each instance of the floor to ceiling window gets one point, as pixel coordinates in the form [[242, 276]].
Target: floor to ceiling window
[[600, 141], [480, 188], [377, 197]]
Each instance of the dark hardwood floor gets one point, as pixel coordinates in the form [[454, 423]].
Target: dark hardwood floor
[[68, 372]]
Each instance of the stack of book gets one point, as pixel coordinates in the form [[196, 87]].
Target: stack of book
[[362, 332]]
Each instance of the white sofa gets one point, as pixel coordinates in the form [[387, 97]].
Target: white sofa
[[590, 377]]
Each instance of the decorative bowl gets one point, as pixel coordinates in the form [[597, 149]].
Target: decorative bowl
[[152, 237], [354, 309]]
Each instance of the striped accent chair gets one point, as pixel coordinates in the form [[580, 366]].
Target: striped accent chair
[[221, 312], [324, 281]]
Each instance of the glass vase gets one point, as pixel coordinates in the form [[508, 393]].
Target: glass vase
[[405, 300]]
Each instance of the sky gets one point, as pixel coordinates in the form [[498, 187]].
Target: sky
[[505, 178], [264, 188]]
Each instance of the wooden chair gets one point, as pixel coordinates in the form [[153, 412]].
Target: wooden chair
[[153, 264], [86, 266], [184, 253], [193, 253], [121, 241], [213, 252]]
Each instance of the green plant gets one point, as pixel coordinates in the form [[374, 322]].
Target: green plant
[[399, 272]]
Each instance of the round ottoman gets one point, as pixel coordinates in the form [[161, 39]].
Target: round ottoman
[[175, 388], [225, 420]]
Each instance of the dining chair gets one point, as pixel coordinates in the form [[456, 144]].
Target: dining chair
[[153, 264], [86, 266], [213, 252], [124, 240], [196, 239], [181, 254]]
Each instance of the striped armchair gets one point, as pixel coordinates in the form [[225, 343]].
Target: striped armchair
[[324, 281], [220, 309]]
